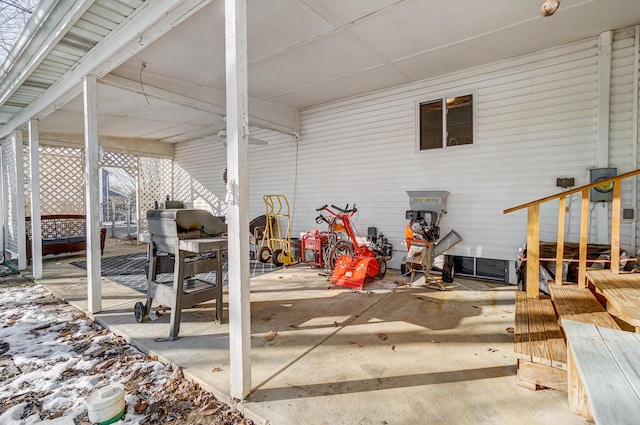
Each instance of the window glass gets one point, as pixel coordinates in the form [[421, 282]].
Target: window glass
[[431, 125], [456, 113], [460, 120]]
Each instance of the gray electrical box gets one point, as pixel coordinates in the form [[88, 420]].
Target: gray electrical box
[[602, 193]]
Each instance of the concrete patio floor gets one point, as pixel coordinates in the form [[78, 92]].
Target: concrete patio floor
[[387, 355]]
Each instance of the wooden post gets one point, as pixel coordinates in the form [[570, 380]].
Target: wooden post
[[584, 237], [34, 176], [238, 198], [562, 211], [533, 251], [615, 227], [92, 201]]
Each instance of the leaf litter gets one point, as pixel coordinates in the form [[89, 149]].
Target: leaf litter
[[52, 358]]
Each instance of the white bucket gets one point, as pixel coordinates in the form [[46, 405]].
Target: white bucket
[[106, 405]]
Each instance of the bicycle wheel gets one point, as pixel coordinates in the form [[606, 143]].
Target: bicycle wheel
[[338, 249]]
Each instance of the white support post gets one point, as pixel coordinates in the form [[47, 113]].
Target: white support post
[[34, 176], [20, 202], [138, 217], [92, 201], [602, 144], [3, 198], [238, 197]]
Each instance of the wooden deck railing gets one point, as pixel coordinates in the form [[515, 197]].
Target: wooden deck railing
[[533, 232]]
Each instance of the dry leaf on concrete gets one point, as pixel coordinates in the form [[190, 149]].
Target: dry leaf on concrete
[[355, 344], [510, 330], [271, 336], [383, 337]]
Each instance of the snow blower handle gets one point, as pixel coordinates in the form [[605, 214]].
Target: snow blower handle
[[346, 209]]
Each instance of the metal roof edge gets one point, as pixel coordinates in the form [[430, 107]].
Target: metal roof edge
[[49, 22]]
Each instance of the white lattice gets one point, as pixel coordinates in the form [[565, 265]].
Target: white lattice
[[26, 161], [155, 184], [10, 181], [120, 160], [61, 180]]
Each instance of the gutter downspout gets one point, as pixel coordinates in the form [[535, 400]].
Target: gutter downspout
[[603, 117], [634, 126]]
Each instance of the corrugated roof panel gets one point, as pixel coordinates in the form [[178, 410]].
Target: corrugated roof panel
[[86, 34], [61, 62], [70, 51], [60, 53], [98, 20], [77, 42], [108, 13], [46, 76], [88, 26]]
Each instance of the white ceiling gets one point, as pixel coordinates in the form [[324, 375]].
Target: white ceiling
[[308, 52]]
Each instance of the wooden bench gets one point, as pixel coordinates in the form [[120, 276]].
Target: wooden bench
[[62, 233], [603, 373]]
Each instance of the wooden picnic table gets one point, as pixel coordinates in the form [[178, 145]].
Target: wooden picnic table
[[603, 364], [622, 292]]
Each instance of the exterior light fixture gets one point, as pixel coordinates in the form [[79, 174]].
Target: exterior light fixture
[[549, 7]]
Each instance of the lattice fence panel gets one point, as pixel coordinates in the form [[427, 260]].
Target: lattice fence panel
[[155, 184], [11, 182], [27, 181], [120, 160], [61, 180]]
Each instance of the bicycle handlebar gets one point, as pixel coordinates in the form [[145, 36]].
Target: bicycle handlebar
[[321, 208]]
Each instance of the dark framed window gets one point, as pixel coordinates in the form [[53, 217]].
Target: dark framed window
[[446, 122]]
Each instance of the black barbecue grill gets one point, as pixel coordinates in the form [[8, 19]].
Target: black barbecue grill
[[184, 242]]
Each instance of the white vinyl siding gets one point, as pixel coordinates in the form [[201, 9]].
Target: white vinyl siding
[[536, 122], [622, 141]]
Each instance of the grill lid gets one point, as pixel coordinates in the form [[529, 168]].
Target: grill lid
[[183, 222]]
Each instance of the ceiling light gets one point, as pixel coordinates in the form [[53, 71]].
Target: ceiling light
[[549, 7]]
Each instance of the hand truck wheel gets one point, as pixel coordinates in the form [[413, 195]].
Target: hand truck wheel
[[140, 311], [277, 258], [264, 255]]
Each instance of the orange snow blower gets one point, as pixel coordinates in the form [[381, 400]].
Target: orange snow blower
[[352, 262]]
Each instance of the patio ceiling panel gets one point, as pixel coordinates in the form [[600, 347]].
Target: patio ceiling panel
[[321, 60]]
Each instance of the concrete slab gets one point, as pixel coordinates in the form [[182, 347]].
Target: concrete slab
[[324, 355]]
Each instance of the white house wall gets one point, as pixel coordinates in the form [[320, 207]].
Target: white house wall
[[536, 121]]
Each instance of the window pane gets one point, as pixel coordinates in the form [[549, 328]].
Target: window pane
[[460, 120], [431, 125]]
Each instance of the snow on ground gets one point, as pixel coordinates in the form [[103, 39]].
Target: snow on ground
[[52, 357]]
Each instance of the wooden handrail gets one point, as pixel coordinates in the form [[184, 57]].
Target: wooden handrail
[[533, 231], [572, 191]]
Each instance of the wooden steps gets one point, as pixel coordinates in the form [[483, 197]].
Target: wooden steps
[[539, 341], [539, 344], [580, 305]]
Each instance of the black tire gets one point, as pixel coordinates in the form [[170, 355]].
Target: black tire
[[337, 250], [382, 267], [448, 270], [277, 258], [403, 267], [264, 255], [140, 311]]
